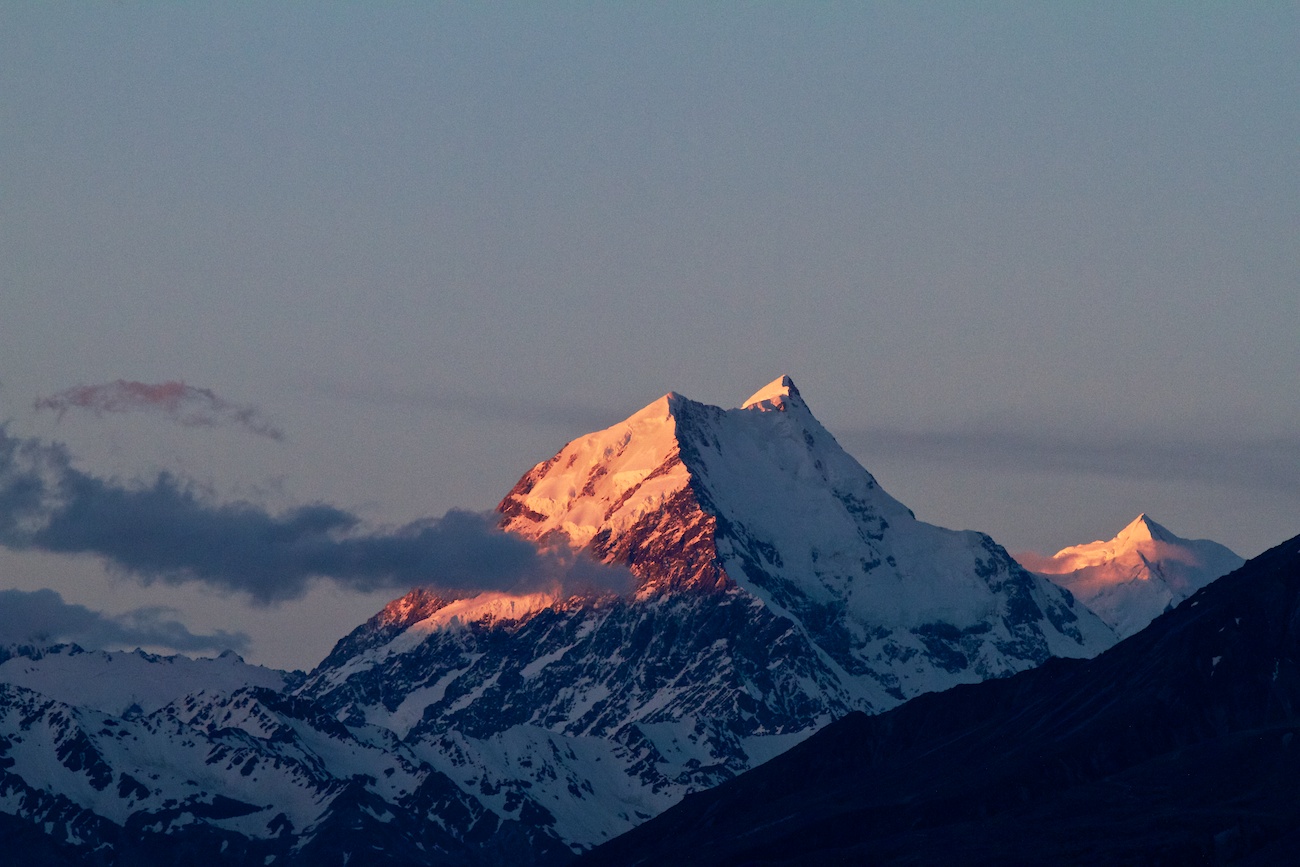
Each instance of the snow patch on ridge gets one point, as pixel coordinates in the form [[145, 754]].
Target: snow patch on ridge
[[488, 607], [491, 606]]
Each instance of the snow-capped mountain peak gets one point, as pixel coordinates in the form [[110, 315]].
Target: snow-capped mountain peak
[[1132, 578], [609, 479], [1143, 529]]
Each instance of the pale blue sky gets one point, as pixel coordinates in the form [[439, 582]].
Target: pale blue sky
[[1036, 265]]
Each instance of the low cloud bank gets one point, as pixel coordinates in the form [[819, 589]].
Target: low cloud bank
[[167, 530], [42, 617], [184, 404]]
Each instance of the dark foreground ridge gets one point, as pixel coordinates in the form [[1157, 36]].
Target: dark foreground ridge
[[1180, 745]]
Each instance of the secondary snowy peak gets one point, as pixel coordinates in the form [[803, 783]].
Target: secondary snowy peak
[[1131, 579], [1142, 532]]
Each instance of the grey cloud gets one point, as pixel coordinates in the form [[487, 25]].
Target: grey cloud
[[184, 404], [168, 531], [41, 616], [1264, 464]]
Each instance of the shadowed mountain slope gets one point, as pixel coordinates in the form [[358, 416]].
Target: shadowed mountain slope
[[1177, 746]]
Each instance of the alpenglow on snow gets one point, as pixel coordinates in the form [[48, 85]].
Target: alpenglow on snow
[[1135, 577]]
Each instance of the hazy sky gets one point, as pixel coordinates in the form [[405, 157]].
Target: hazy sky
[[1036, 265]]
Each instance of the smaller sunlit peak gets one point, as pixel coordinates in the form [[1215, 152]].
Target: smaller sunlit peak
[[774, 395], [1143, 528]]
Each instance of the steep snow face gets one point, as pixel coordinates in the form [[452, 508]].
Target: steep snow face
[[1133, 578], [625, 495]]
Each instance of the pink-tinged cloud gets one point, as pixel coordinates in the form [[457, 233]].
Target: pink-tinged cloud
[[183, 404]]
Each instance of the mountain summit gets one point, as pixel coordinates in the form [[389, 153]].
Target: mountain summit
[[1143, 529], [1131, 579]]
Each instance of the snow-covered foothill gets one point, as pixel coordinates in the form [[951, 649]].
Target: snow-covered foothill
[[119, 681]]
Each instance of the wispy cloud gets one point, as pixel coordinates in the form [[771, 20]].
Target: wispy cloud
[[1262, 464], [41, 617], [167, 530], [184, 404]]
